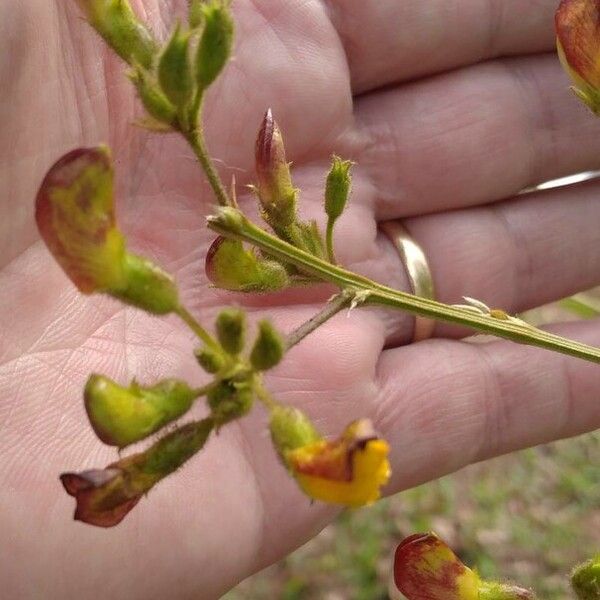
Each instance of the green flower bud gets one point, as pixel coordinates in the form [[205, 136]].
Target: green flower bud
[[105, 496], [230, 400], [121, 416], [155, 102], [174, 68], [231, 330], [268, 349], [231, 267], [337, 187], [116, 22], [290, 429], [210, 360], [586, 580], [216, 41], [147, 286]]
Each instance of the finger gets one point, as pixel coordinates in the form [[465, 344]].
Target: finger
[[446, 404], [513, 255], [389, 41], [476, 135]]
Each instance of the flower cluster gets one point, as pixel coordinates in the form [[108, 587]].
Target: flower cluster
[[76, 218]]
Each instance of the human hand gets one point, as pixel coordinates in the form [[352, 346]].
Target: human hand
[[445, 153]]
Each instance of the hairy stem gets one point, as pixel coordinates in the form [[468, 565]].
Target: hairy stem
[[200, 332], [195, 138], [329, 241], [332, 308], [233, 224]]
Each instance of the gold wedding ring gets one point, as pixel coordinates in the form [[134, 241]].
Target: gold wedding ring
[[417, 268]]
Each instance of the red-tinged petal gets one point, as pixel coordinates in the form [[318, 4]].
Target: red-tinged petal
[[102, 497], [425, 568], [75, 216], [578, 32]]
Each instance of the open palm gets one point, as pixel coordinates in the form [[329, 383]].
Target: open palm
[[449, 108]]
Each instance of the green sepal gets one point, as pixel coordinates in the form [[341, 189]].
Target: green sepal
[[290, 428], [503, 591], [230, 400], [195, 14], [174, 68], [210, 360], [147, 286], [231, 267], [124, 415], [231, 330], [216, 41], [268, 349], [154, 100]]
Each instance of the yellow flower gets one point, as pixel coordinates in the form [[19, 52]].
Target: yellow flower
[[578, 42], [348, 471]]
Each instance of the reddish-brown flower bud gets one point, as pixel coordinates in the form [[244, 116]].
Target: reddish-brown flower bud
[[75, 216], [275, 190], [425, 568], [578, 40]]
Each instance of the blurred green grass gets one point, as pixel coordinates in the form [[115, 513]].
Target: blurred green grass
[[528, 517]]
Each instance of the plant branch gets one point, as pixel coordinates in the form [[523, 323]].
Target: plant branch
[[195, 138], [233, 224], [334, 306], [200, 332]]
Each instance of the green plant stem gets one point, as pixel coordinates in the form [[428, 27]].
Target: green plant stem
[[332, 308], [329, 241], [264, 395], [195, 138], [200, 332], [233, 224]]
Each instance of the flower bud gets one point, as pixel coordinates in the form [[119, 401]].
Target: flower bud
[[121, 416], [174, 68], [578, 41], [425, 568], [210, 360], [337, 188], [155, 102], [348, 471], [116, 22], [275, 191], [268, 349], [585, 580], [147, 286], [216, 41], [75, 216], [231, 267], [231, 330], [230, 400], [105, 496]]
